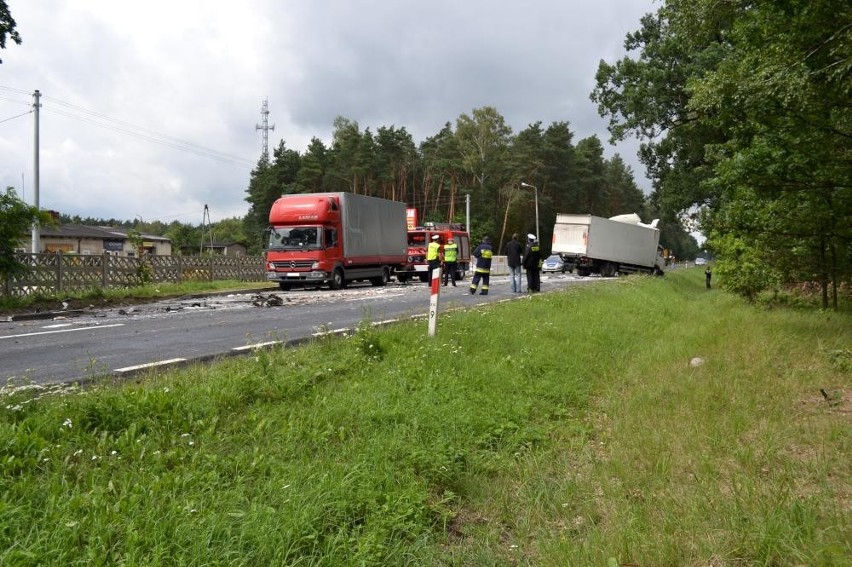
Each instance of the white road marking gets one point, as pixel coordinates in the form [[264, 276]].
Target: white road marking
[[332, 332], [149, 365], [92, 328], [373, 297], [256, 345], [58, 326]]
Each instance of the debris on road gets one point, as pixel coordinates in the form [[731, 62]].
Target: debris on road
[[270, 301]]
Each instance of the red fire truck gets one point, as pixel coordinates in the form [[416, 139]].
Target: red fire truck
[[419, 238]]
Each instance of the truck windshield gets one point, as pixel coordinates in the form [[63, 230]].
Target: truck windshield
[[295, 238]]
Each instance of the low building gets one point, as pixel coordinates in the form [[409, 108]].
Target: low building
[[92, 240]]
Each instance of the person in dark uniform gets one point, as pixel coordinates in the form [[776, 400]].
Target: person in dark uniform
[[707, 276], [483, 255], [532, 263]]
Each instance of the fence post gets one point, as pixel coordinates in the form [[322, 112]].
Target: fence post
[[58, 260], [180, 268], [212, 279], [104, 269]]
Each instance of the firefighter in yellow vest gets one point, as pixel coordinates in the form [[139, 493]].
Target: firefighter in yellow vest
[[433, 254], [451, 256]]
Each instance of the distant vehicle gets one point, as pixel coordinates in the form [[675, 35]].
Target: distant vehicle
[[554, 263], [700, 261]]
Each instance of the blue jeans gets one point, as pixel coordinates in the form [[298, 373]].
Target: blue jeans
[[515, 276]]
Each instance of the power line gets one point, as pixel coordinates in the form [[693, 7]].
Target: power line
[[14, 90], [102, 120], [105, 121], [156, 139], [16, 116]]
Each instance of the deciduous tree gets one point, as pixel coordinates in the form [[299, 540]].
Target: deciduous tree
[[16, 220], [7, 26]]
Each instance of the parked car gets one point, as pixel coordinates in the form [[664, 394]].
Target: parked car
[[554, 264], [700, 261]]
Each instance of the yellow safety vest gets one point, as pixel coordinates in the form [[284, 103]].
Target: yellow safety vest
[[432, 251], [451, 252]]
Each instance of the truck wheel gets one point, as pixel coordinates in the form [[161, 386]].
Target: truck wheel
[[424, 278], [459, 275], [584, 272], [337, 279], [381, 280], [284, 286], [608, 270], [402, 278]]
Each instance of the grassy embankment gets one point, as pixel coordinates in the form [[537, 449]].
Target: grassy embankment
[[567, 429]]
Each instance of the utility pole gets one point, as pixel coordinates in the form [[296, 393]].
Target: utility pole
[[205, 220], [265, 128], [36, 240], [467, 210]]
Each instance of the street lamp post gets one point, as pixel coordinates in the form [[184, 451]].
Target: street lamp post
[[537, 227]]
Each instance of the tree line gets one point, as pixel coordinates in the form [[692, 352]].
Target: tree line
[[745, 112], [478, 159]]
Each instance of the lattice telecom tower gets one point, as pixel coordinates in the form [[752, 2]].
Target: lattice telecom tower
[[265, 127]]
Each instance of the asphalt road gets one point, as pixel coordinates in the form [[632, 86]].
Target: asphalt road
[[125, 341]]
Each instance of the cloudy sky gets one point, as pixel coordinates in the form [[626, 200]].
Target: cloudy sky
[[149, 109]]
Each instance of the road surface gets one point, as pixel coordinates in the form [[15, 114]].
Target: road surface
[[124, 341]]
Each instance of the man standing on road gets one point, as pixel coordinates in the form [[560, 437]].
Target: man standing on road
[[513, 259], [433, 255], [532, 263], [483, 254], [451, 256]]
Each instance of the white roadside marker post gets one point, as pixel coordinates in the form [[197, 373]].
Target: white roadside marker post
[[433, 300]]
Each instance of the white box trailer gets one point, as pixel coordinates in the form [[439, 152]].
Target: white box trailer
[[608, 247]]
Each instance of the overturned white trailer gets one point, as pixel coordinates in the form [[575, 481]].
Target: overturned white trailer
[[617, 245]]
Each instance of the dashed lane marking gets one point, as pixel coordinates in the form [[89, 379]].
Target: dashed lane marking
[[149, 365], [92, 328], [256, 346]]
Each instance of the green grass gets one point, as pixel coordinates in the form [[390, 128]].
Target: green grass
[[566, 429]]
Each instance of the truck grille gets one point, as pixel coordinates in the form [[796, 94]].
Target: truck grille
[[293, 265]]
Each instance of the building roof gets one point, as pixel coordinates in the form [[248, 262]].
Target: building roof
[[95, 232]]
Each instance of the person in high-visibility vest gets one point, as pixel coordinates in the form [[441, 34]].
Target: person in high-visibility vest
[[532, 262], [433, 254], [451, 256], [483, 255]]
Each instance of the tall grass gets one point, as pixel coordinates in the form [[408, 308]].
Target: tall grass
[[565, 429]]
